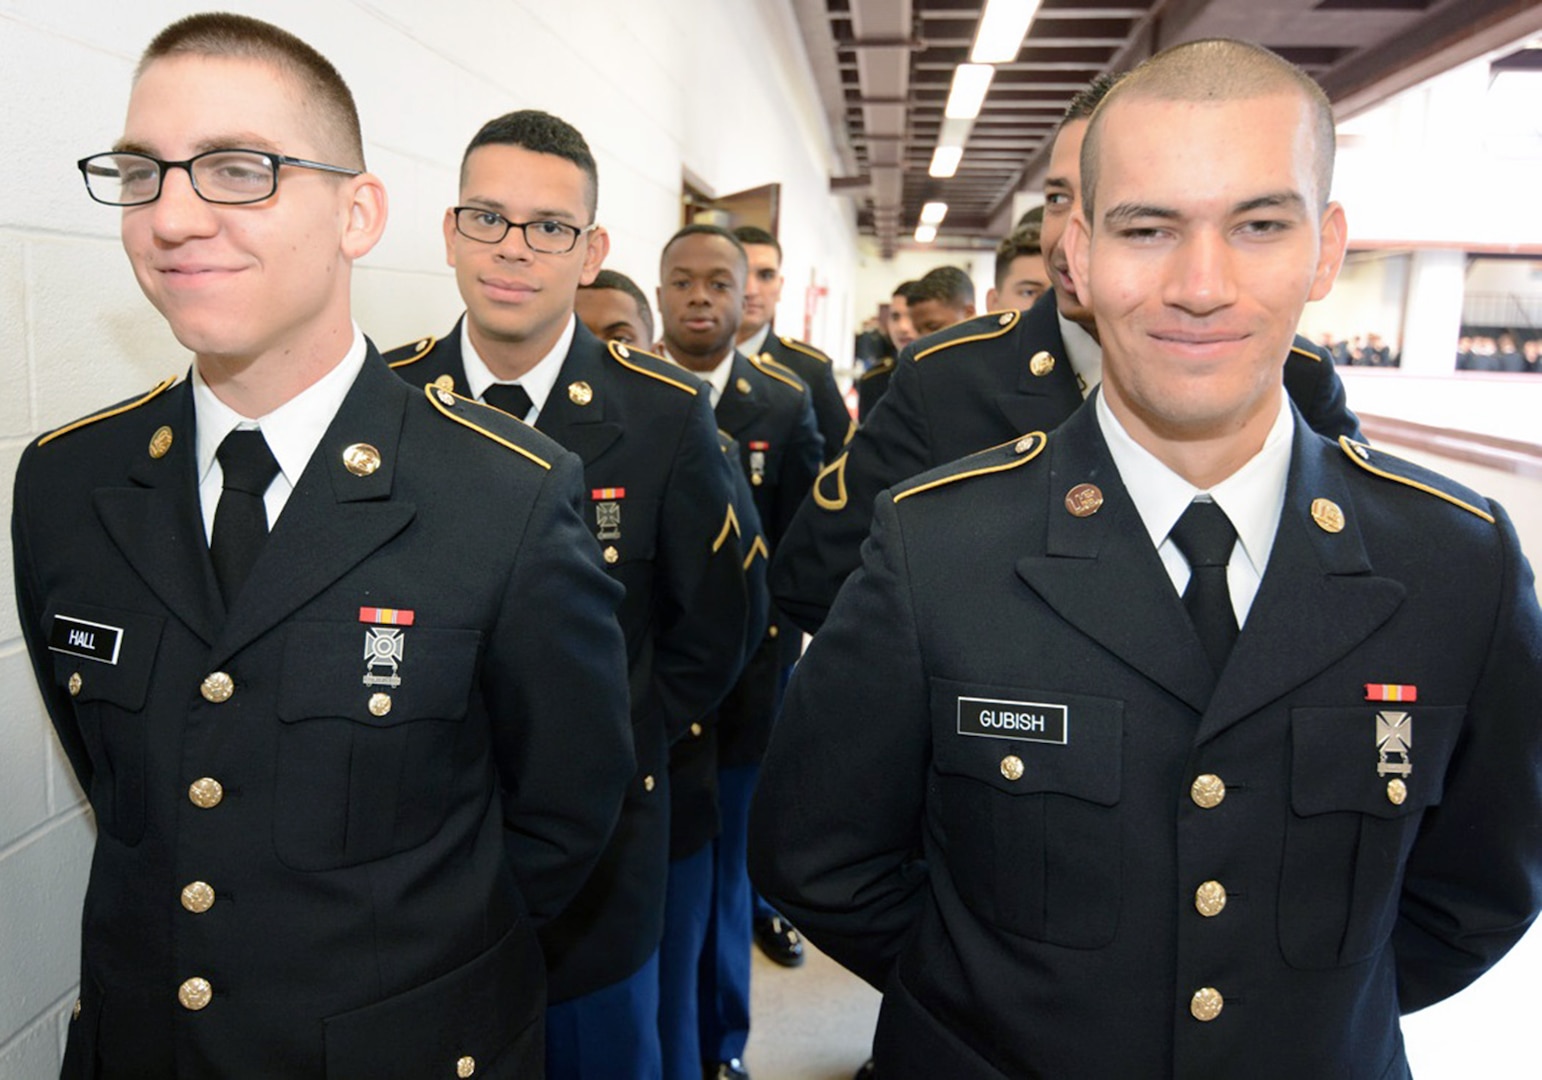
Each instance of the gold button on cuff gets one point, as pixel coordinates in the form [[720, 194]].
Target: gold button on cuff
[[217, 688], [1012, 767], [1207, 791], [75, 683], [465, 1067], [648, 783], [1397, 792], [195, 994], [696, 730], [1206, 1004], [1209, 899], [198, 897], [75, 1012], [205, 793], [379, 704], [160, 442]]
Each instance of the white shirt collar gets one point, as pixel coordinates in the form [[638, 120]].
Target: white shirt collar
[[292, 430], [753, 345], [1084, 352], [538, 381], [716, 379]]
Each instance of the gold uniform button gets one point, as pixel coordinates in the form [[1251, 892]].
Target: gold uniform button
[[444, 382], [379, 704], [1041, 364], [1012, 767], [205, 793], [1397, 792], [75, 1012], [1006, 318], [696, 731], [1206, 1004], [217, 688], [756, 480], [160, 442], [1209, 899], [361, 459], [195, 994], [465, 1067], [1207, 791], [622, 351], [444, 396], [648, 783], [612, 556], [198, 897], [742, 385], [774, 631], [75, 683]]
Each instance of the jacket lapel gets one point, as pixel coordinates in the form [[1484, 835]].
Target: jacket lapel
[[1101, 574], [157, 523], [1319, 597], [582, 422], [1039, 401], [739, 410], [334, 519]]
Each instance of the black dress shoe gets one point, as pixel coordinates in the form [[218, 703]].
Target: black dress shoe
[[866, 1072], [779, 940], [732, 1069]]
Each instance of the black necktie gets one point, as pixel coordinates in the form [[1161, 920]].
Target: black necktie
[[240, 520], [1205, 536], [510, 397]]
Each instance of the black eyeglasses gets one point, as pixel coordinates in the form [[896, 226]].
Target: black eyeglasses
[[226, 177], [490, 227]]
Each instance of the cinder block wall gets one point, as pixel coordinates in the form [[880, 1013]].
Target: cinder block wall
[[718, 87]]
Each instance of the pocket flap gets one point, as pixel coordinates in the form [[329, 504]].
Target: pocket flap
[[1347, 759], [339, 669], [102, 654]]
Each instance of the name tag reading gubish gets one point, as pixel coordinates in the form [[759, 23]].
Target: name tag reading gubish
[[1028, 721]]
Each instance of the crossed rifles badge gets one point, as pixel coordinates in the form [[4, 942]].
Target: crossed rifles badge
[[607, 512], [384, 644], [1394, 737]]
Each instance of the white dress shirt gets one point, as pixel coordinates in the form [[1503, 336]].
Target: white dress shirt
[[756, 342], [1084, 352], [716, 379], [538, 381]]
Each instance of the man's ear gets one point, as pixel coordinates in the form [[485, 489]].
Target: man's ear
[[367, 208], [594, 255], [1078, 253], [1334, 242], [449, 237]]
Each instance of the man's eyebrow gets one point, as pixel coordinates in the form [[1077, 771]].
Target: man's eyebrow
[[1129, 211], [1057, 182], [236, 140], [1274, 200]]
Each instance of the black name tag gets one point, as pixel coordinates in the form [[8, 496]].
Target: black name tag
[[1028, 721], [94, 641]]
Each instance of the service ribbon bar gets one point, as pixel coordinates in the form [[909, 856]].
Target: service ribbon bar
[[1391, 692], [387, 616], [598, 494]]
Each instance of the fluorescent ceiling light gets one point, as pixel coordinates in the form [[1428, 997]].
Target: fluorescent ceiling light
[[933, 213], [925, 234], [1003, 25], [970, 83], [945, 161]]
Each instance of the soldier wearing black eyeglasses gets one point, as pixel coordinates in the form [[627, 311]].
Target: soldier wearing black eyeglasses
[[345, 753]]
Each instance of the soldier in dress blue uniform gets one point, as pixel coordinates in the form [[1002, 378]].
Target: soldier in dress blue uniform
[[1074, 825], [942, 298], [757, 337], [352, 723], [983, 382], [658, 489], [767, 410]]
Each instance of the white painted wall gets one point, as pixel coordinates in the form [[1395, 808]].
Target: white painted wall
[[716, 86]]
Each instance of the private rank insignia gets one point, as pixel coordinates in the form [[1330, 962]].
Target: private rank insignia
[[384, 644], [758, 448], [607, 512]]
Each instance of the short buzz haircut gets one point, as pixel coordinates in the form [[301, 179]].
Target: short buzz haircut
[[754, 234], [1216, 70], [614, 279], [701, 229], [325, 94], [540, 133], [903, 289], [947, 284], [1021, 242], [1086, 100]]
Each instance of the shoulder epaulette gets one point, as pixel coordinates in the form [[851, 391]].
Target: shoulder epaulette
[[115, 410], [1417, 477], [981, 328], [807, 350], [881, 367], [415, 352], [649, 364], [1308, 353], [766, 365], [1009, 455], [483, 419]]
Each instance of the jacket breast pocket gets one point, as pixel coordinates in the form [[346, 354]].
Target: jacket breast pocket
[[103, 659], [1360, 781], [372, 743], [1026, 792]]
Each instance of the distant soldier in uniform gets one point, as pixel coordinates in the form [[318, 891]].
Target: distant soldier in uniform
[[943, 297], [1067, 816], [871, 384], [1020, 277], [614, 308], [658, 489], [767, 410], [758, 337], [352, 723], [983, 382]]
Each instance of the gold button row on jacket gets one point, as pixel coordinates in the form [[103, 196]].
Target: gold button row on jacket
[[195, 994], [1207, 791], [217, 688], [1210, 898]]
